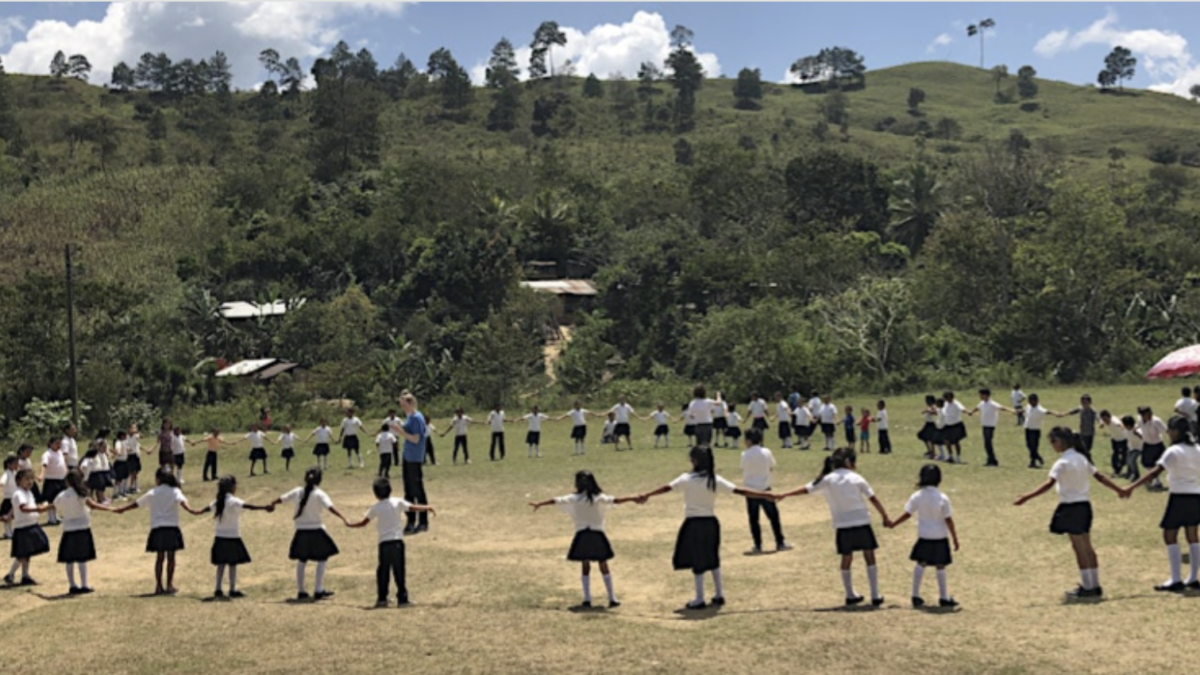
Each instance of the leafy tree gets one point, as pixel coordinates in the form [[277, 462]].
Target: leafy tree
[[78, 67], [1194, 92], [624, 102], [827, 189], [683, 152], [289, 73], [872, 323], [592, 87], [834, 65], [962, 248], [748, 89], [345, 116], [503, 355], [832, 107], [686, 76], [979, 29], [395, 80], [506, 106], [1106, 79], [451, 79], [59, 66], [10, 130], [1026, 86], [999, 75], [916, 97], [915, 205], [947, 128], [1121, 64], [544, 38], [122, 77], [585, 358], [156, 127], [220, 74], [502, 67]]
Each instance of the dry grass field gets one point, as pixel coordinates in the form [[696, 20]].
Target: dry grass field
[[493, 593]]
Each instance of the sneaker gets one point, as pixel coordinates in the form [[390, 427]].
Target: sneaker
[[947, 602], [854, 600], [303, 595], [381, 604], [322, 595], [1173, 587], [876, 602], [718, 601], [917, 602], [784, 546], [236, 594], [695, 604]]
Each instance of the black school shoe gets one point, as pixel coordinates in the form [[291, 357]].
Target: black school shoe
[[917, 602], [303, 595], [854, 600], [74, 590], [236, 594], [613, 604], [322, 595], [1194, 586], [877, 602], [28, 581], [718, 601], [948, 603], [695, 604], [1177, 587]]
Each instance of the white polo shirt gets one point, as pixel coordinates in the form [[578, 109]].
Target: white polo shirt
[[54, 464], [698, 500], [847, 494], [1073, 473], [310, 517], [803, 416], [587, 515], [1118, 432], [954, 412], [882, 417], [622, 411], [323, 434], [757, 408], [989, 412], [163, 502], [932, 508], [757, 463], [660, 417], [535, 421], [20, 518], [828, 413], [1034, 416], [388, 523], [1187, 407], [70, 450], [461, 425], [386, 442], [1152, 431], [73, 510], [700, 411], [496, 419], [579, 416], [783, 412], [1182, 462]]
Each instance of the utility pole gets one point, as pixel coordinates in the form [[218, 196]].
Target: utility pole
[[71, 335]]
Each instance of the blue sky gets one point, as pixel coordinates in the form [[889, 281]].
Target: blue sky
[[1063, 41]]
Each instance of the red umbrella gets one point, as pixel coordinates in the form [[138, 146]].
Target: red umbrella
[[1180, 362]]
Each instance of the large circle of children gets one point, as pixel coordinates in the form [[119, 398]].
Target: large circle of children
[[67, 487]]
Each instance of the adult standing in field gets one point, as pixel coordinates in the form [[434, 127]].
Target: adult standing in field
[[699, 414], [166, 440], [414, 433], [70, 448], [348, 437], [623, 411], [989, 417]]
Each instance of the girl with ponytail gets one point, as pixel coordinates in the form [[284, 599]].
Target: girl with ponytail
[[848, 494], [228, 549], [587, 506], [1181, 461], [311, 541], [1073, 517], [698, 546], [164, 502], [77, 546]]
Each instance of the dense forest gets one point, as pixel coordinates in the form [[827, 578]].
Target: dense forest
[[865, 231]]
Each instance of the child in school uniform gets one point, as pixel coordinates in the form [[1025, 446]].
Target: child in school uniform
[[77, 547], [385, 444], [348, 436], [864, 432], [53, 476], [1120, 442], [133, 449], [757, 465], [954, 430], [178, 452], [228, 550], [802, 422], [310, 540], [848, 421], [1181, 462], [783, 416], [579, 427], [165, 538], [881, 422], [387, 516], [757, 409], [689, 427], [928, 431], [288, 440], [92, 469], [1133, 462], [1034, 414], [533, 437], [699, 414], [623, 411], [120, 466], [587, 507], [212, 444], [28, 539], [324, 436], [1071, 475], [827, 413], [608, 434], [939, 435], [697, 548], [1087, 421], [8, 486], [461, 424], [258, 449], [496, 422], [1152, 429], [662, 429], [720, 415], [989, 416], [848, 494], [1018, 404], [733, 428], [935, 526]]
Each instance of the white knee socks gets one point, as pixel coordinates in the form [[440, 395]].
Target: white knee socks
[[300, 564], [232, 578], [943, 585], [1175, 557], [918, 575], [699, 588], [608, 586], [873, 578], [848, 583], [1194, 561], [320, 587], [71, 575], [718, 589], [586, 580]]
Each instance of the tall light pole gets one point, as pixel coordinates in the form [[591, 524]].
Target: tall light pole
[[71, 335]]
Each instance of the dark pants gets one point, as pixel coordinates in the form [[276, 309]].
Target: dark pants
[[396, 455], [385, 464], [497, 440], [704, 434], [1120, 455], [885, 442], [429, 456], [414, 491], [989, 433], [210, 462], [391, 562], [461, 441], [772, 511], [1033, 440], [1088, 442]]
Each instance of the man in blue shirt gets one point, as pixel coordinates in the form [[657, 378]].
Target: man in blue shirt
[[414, 432]]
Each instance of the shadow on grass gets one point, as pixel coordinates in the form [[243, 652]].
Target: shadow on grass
[[703, 614], [55, 598]]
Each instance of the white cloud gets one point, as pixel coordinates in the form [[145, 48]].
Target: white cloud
[[942, 40], [240, 29], [609, 48], [1164, 54], [10, 26]]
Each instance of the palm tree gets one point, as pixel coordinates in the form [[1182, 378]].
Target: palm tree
[[978, 29], [916, 204]]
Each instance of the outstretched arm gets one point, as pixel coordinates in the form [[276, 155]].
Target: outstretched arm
[[1042, 489], [754, 494], [357, 523], [882, 511], [901, 520], [269, 508], [334, 511], [422, 508], [538, 505], [802, 490], [195, 512], [644, 497]]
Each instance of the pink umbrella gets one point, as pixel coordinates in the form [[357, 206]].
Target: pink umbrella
[[1180, 362]]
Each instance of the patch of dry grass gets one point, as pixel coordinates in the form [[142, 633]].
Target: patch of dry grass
[[493, 591]]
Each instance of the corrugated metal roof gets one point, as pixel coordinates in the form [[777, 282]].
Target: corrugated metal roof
[[562, 286], [245, 310], [245, 367], [274, 370]]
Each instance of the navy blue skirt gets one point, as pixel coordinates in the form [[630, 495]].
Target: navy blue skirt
[[76, 547], [312, 545], [164, 540], [1072, 518], [229, 551], [698, 546], [590, 546], [29, 541]]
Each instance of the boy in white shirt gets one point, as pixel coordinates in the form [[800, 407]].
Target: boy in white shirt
[[461, 424], [623, 412], [608, 434], [1120, 442], [757, 464], [385, 443], [989, 418], [387, 515], [1018, 404], [496, 421], [881, 425], [1152, 430]]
